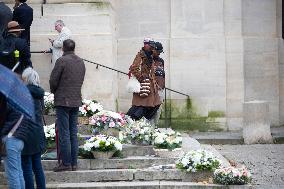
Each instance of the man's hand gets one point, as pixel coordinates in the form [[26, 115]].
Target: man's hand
[[47, 51], [51, 41]]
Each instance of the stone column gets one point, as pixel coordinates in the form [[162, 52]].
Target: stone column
[[256, 128]]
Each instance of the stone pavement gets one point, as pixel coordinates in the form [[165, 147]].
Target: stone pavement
[[266, 162]]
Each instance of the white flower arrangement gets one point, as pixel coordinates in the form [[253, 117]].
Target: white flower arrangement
[[48, 102], [198, 160], [102, 143], [168, 139], [232, 176], [49, 131], [89, 108], [139, 132]]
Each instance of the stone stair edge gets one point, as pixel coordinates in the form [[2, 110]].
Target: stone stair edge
[[140, 185], [121, 175], [98, 164], [137, 183]]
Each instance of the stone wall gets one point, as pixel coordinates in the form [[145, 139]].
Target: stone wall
[[193, 39], [92, 26], [281, 61], [261, 68], [220, 52], [234, 63]]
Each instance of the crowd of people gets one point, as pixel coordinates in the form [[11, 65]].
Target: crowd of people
[[23, 137]]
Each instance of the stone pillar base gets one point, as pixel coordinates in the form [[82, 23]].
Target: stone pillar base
[[256, 128]]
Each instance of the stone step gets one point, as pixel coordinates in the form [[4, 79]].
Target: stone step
[[136, 162], [135, 150], [140, 185], [83, 176]]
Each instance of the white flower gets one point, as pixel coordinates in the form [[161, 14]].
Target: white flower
[[97, 144], [111, 124], [184, 162], [107, 143], [88, 146], [159, 140], [118, 145], [101, 141], [146, 137], [49, 131]]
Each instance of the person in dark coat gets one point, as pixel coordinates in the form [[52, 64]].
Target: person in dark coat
[[5, 17], [25, 135], [160, 77], [23, 14], [14, 31], [147, 102], [66, 81], [31, 157]]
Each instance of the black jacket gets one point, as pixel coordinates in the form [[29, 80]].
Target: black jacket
[[37, 94], [31, 132], [23, 14], [5, 17], [25, 55]]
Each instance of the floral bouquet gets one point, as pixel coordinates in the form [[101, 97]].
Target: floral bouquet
[[198, 160], [49, 131], [48, 102], [167, 143], [139, 132], [102, 146], [89, 108], [167, 139], [104, 120], [232, 176]]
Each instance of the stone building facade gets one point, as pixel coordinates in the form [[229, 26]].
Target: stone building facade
[[220, 52]]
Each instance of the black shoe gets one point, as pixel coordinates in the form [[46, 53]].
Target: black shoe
[[62, 167]]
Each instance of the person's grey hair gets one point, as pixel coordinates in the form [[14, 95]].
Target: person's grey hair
[[30, 76], [59, 22]]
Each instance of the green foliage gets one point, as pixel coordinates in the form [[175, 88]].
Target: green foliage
[[166, 145], [231, 180], [104, 148], [183, 116], [85, 154], [118, 154], [193, 124], [50, 144], [216, 114]]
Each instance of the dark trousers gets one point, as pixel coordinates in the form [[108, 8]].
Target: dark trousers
[[30, 164], [66, 122], [137, 112]]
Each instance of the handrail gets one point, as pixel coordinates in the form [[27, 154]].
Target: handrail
[[167, 120], [105, 66], [101, 65]]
